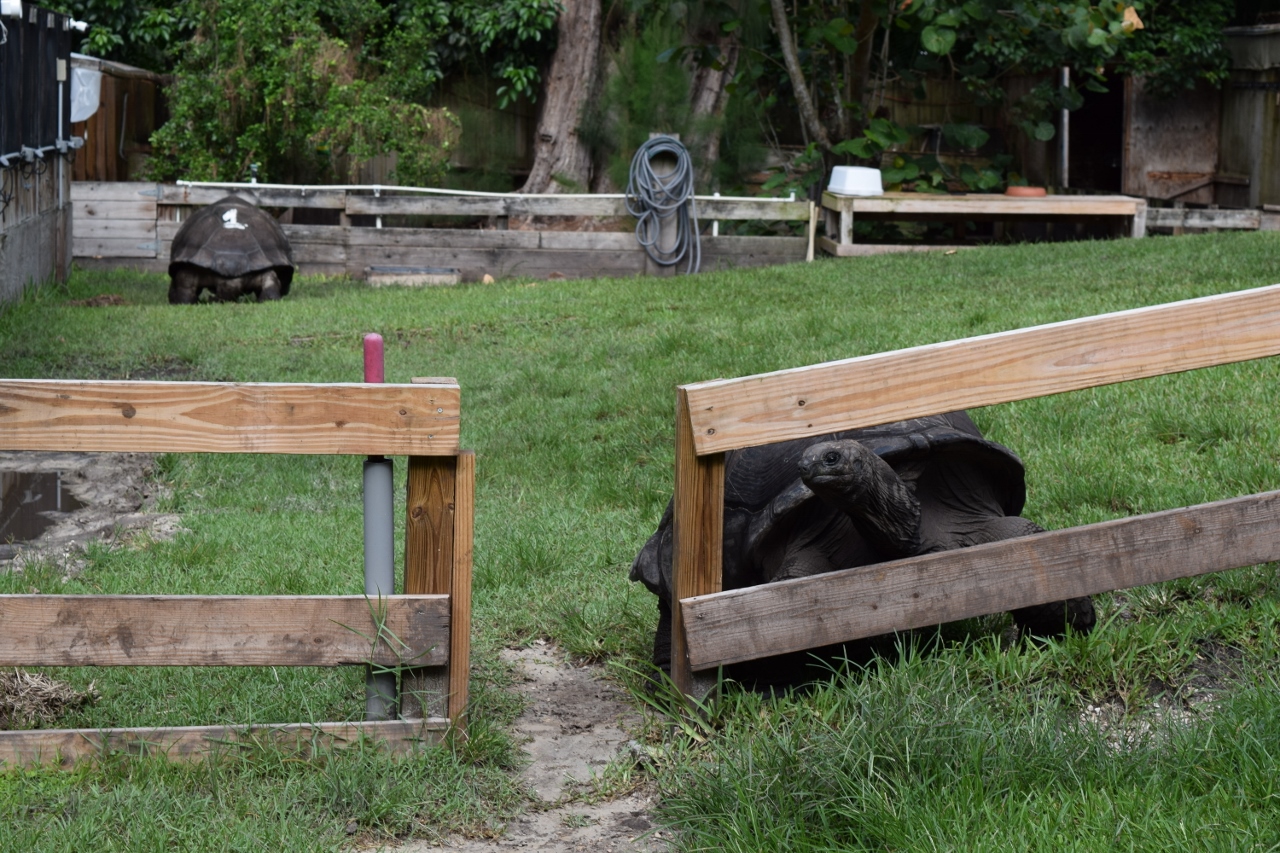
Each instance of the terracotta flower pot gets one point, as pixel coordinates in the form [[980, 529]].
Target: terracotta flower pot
[[1025, 192]]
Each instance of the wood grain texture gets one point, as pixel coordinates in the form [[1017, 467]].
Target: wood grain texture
[[982, 371], [175, 417], [1186, 217], [220, 630], [981, 204], [460, 597], [790, 616], [85, 191], [428, 568], [65, 747], [697, 560], [261, 196]]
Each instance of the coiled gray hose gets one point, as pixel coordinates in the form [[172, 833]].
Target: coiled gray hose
[[654, 199]]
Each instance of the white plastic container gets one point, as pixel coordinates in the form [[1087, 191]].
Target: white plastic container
[[855, 180]]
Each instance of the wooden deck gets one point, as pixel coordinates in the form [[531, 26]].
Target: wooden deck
[[842, 210]]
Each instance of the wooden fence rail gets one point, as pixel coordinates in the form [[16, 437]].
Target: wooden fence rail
[[134, 224], [711, 627], [425, 632]]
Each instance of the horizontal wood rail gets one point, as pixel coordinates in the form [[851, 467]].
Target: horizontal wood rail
[[745, 624], [219, 417], [982, 371], [64, 747], [223, 630]]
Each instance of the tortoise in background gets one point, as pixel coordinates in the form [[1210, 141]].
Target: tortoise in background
[[801, 508], [230, 248]]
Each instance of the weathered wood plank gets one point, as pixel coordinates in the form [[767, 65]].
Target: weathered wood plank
[[443, 205], [460, 594], [95, 228], [213, 417], [262, 196], [428, 567], [982, 371], [1170, 217], [788, 616], [113, 247], [137, 191], [231, 630], [133, 209], [981, 204], [65, 747], [585, 205], [441, 238], [698, 541]]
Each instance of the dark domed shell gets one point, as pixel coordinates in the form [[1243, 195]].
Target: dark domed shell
[[933, 452], [232, 238]]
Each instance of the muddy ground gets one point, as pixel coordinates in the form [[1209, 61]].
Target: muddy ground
[[119, 504], [574, 724]]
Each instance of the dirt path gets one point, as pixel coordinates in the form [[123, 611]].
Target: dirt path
[[574, 725]]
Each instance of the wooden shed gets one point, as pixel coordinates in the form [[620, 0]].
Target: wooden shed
[[1251, 117]]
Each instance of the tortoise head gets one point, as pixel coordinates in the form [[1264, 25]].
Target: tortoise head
[[837, 469]]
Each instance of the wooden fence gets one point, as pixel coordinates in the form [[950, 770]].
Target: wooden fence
[[431, 621], [130, 224], [712, 628]]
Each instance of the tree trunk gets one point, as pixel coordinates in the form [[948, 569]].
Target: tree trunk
[[561, 161], [808, 115], [709, 98]]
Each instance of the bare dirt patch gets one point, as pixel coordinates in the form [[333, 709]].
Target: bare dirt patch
[[575, 723], [118, 500]]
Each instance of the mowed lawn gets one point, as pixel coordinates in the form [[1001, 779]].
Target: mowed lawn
[[1156, 732]]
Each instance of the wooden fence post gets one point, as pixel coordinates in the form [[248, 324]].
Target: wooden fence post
[[429, 558], [699, 532]]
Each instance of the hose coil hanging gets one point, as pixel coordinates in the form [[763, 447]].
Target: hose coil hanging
[[654, 199]]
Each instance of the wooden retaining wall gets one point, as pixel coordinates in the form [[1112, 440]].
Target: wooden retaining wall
[[133, 225]]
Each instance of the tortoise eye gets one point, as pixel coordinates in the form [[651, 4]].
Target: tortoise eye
[[830, 458]]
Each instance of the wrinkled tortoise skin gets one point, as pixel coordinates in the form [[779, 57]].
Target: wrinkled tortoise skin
[[968, 490]]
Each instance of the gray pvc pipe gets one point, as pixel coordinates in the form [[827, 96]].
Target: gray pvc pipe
[[379, 573]]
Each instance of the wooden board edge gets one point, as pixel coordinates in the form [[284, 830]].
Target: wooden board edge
[[460, 595], [66, 747], [817, 399], [847, 605]]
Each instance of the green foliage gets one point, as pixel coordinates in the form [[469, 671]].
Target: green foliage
[[280, 83], [1181, 46], [136, 33]]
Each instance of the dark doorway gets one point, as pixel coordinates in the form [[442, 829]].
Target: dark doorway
[[1097, 140]]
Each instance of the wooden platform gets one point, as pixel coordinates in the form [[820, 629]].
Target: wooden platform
[[842, 210]]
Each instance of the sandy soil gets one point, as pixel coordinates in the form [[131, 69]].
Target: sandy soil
[[574, 725]]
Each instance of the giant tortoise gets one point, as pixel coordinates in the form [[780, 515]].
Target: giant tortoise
[[801, 508], [229, 248]]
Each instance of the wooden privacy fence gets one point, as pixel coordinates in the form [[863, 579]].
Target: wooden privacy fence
[[423, 633], [713, 628], [134, 224]]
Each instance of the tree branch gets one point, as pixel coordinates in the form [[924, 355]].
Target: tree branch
[[808, 115]]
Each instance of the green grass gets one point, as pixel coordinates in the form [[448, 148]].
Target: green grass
[[568, 400]]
